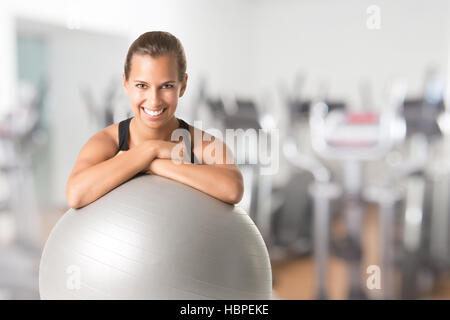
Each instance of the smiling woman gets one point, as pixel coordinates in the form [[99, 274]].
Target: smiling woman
[[154, 79], [154, 89], [228, 261]]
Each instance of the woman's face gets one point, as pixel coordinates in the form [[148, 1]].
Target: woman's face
[[154, 88]]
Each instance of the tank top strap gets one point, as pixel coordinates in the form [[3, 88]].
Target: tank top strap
[[124, 133]]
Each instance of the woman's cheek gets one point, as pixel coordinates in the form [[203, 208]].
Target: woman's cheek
[[171, 97], [137, 97]]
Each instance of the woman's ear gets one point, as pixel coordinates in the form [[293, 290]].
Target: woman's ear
[[125, 83], [183, 85]]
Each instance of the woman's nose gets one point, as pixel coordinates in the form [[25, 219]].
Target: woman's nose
[[153, 98]]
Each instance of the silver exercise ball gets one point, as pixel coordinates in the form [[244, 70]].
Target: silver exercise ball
[[154, 238]]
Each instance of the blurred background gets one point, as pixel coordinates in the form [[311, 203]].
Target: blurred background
[[356, 92]]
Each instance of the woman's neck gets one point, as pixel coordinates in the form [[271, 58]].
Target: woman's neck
[[140, 133]]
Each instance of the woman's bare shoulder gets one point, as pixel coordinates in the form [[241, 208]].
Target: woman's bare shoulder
[[112, 132], [100, 147], [203, 140]]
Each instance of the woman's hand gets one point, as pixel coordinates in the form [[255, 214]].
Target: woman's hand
[[165, 149], [175, 151]]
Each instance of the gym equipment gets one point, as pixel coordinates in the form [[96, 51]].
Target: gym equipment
[[208, 107], [322, 192], [439, 171], [398, 190], [244, 117], [241, 115], [154, 238], [416, 182], [21, 136], [388, 193], [421, 113], [353, 138], [425, 223], [292, 219], [406, 182], [112, 108]]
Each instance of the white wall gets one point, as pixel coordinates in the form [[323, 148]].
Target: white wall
[[329, 40], [215, 34], [71, 70], [250, 46]]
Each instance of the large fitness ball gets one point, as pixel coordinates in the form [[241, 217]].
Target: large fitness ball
[[154, 238]]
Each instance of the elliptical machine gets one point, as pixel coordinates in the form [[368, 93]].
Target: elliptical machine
[[353, 138], [322, 191], [294, 221], [425, 224]]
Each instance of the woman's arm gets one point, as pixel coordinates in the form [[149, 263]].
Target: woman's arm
[[98, 169], [223, 182], [220, 177]]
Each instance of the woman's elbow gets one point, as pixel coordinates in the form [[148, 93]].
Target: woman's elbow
[[73, 198], [235, 193], [73, 203]]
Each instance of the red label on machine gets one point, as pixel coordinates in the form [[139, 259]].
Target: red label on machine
[[362, 117]]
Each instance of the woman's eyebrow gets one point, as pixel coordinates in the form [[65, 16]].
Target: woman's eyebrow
[[142, 81], [169, 81]]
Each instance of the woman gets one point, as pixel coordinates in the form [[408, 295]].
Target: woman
[[154, 78]]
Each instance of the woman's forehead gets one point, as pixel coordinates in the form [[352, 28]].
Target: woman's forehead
[[155, 68]]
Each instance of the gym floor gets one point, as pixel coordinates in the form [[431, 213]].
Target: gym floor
[[294, 277]]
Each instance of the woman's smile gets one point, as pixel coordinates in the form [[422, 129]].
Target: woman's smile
[[153, 114]]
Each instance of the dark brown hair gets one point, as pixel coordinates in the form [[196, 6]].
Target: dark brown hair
[[155, 44]]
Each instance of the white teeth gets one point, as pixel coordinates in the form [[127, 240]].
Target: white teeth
[[153, 113]]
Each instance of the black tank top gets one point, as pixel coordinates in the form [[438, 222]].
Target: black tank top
[[124, 133]]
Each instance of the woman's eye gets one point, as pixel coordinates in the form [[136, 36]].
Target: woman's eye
[[141, 86], [167, 86]]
